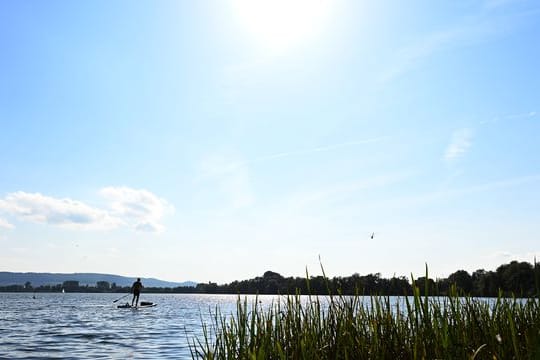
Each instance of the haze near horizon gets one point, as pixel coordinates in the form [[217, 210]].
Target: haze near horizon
[[213, 141]]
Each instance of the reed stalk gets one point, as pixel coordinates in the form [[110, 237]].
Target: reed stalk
[[376, 327]]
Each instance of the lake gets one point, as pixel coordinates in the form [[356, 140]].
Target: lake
[[89, 326]]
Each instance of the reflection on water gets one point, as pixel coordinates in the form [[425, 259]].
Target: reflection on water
[[90, 326]]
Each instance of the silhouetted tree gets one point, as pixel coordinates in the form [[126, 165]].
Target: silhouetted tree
[[517, 278], [462, 280]]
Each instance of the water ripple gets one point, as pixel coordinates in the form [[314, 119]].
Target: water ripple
[[89, 326]]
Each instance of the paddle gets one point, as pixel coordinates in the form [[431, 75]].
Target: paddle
[[121, 298]]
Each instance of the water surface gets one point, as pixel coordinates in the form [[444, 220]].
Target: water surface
[[89, 326]]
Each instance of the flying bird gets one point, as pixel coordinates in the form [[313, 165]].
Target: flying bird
[[372, 234]]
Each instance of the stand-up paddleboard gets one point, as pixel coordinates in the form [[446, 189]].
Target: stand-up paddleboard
[[142, 305]]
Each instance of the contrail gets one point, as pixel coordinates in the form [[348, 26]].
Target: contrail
[[232, 166], [316, 149]]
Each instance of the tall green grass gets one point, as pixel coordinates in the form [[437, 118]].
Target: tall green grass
[[377, 327]]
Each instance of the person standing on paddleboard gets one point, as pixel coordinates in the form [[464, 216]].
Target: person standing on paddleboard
[[136, 290]]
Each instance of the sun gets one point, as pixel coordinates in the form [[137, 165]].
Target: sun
[[278, 25]]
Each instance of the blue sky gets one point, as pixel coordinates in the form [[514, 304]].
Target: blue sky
[[217, 140]]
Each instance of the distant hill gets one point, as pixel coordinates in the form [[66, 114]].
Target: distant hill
[[38, 279]]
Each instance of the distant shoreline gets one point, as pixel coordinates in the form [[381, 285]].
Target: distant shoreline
[[520, 279]]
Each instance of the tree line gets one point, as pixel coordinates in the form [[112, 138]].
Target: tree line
[[100, 287], [520, 279], [515, 278]]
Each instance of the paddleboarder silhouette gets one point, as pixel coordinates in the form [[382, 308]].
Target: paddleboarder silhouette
[[136, 290]]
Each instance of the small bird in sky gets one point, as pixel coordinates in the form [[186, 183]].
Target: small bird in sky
[[372, 234]]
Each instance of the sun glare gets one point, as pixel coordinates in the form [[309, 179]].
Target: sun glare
[[279, 25]]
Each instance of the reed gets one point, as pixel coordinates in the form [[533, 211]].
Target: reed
[[376, 327]]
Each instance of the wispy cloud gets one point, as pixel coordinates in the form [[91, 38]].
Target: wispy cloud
[[339, 192], [529, 114], [501, 254], [492, 4], [459, 144], [408, 56], [470, 30], [516, 116], [222, 165], [508, 256], [129, 207], [430, 197], [232, 178], [323, 148], [501, 184]]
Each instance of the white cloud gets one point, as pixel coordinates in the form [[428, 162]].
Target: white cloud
[[501, 254], [149, 227], [5, 224], [138, 207], [459, 145], [67, 213]]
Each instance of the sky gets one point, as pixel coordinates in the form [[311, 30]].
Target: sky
[[217, 140]]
